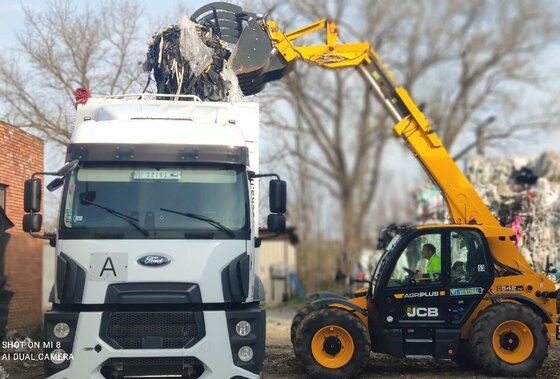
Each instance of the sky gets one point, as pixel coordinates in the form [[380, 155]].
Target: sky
[[11, 21], [11, 14]]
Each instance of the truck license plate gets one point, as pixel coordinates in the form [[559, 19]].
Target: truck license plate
[[154, 174]]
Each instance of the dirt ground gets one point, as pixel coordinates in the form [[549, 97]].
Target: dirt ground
[[280, 362]]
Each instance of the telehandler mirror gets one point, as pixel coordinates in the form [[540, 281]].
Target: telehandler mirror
[[32, 222], [32, 195], [277, 196], [276, 223]]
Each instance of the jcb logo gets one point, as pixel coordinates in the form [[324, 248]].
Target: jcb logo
[[422, 312]]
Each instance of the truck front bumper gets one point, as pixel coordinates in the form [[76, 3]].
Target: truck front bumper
[[214, 355]]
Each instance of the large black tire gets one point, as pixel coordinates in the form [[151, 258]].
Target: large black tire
[[506, 317], [300, 315], [325, 337], [463, 357]]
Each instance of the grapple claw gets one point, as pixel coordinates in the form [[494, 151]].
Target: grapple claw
[[253, 58]]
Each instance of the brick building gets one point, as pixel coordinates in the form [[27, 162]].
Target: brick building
[[21, 154]]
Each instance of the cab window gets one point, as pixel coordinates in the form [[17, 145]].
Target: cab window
[[468, 260], [419, 263]]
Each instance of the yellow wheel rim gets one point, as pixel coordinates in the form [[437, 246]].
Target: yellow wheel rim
[[513, 341], [332, 346]]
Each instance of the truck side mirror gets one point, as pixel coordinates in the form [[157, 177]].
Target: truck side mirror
[[277, 196], [67, 168], [55, 184], [32, 222], [276, 223], [32, 195]]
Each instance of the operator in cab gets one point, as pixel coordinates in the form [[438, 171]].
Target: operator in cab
[[434, 261], [433, 265]]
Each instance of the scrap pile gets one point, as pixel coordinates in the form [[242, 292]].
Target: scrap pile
[[191, 59], [523, 193], [429, 205]]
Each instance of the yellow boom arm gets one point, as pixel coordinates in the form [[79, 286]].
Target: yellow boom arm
[[465, 205]]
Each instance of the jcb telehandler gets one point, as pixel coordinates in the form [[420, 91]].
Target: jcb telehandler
[[482, 304]]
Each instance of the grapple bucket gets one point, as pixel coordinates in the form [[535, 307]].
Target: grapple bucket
[[253, 57]]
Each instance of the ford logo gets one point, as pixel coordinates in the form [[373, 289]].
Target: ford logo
[[154, 260]]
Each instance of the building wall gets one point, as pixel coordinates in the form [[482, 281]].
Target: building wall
[[21, 154], [277, 258]]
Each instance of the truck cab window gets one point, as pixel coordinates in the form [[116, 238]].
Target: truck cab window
[[419, 263]]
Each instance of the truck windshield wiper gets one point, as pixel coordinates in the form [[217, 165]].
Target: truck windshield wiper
[[214, 223], [131, 220]]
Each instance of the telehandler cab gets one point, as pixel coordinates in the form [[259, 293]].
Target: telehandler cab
[[483, 304]]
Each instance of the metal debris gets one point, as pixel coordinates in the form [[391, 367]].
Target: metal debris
[[523, 193], [191, 59]]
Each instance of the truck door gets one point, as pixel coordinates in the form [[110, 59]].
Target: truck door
[[411, 300]]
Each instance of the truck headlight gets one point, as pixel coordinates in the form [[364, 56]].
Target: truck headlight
[[61, 330], [58, 356], [243, 328], [245, 353]]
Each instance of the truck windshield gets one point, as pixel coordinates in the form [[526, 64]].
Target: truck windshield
[[196, 202]]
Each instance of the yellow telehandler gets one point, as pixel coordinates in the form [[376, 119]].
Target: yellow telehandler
[[478, 303]]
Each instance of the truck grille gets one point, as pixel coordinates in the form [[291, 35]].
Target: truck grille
[[166, 367], [152, 330]]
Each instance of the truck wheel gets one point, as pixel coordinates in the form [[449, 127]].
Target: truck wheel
[[332, 343], [509, 339], [300, 315]]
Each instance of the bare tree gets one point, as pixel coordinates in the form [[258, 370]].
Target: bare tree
[[466, 60], [64, 47]]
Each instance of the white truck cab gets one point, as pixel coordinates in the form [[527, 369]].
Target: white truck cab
[[157, 241]]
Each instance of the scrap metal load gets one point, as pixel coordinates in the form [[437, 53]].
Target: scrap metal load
[[523, 193], [220, 54]]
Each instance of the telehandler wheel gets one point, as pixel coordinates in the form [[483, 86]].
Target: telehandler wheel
[[332, 343], [300, 315], [463, 357], [509, 339]]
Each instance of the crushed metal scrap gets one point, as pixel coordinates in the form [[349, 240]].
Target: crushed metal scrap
[[191, 59], [522, 192], [220, 53]]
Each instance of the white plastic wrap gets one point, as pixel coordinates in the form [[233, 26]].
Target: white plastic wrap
[[192, 48], [233, 91]]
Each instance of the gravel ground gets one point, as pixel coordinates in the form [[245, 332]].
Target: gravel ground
[[280, 362]]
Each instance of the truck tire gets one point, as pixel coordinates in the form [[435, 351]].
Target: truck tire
[[509, 339], [300, 315], [332, 343]]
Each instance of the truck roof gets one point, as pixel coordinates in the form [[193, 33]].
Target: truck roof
[[146, 118]]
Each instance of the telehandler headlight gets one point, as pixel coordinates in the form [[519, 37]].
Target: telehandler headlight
[[243, 328], [245, 353], [61, 330]]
